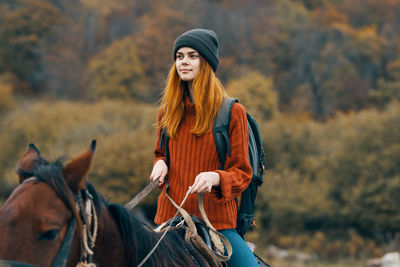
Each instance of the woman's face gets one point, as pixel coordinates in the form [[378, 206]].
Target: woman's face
[[187, 63]]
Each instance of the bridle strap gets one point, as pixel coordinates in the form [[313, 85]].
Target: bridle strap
[[167, 229], [63, 253], [87, 211]]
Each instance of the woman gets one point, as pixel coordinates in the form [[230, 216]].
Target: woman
[[190, 102]]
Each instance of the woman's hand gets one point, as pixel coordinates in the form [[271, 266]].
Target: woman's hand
[[205, 181], [160, 170]]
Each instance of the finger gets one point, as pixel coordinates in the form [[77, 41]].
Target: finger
[[200, 185], [197, 183], [154, 175], [201, 190], [197, 190], [193, 188], [203, 187], [163, 174]]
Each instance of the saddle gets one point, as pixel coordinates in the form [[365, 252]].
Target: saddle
[[207, 246]]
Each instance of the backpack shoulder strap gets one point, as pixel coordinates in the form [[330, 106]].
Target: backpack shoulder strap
[[164, 138], [221, 129], [164, 141]]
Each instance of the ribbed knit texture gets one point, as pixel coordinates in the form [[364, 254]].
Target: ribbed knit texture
[[190, 155]]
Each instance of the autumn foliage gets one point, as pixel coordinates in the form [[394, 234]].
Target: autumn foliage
[[322, 78]]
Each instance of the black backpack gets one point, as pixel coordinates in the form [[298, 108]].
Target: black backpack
[[222, 121], [256, 157]]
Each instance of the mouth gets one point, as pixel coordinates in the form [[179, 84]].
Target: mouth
[[185, 70]]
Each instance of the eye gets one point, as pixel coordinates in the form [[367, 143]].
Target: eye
[[49, 235], [194, 55], [179, 56]]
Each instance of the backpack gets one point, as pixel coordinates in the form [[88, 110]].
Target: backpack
[[245, 218], [222, 121]]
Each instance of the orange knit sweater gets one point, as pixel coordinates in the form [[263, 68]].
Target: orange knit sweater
[[191, 154]]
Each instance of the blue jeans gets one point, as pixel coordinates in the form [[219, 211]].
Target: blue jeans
[[241, 253]]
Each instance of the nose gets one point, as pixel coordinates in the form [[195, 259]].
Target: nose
[[185, 60]]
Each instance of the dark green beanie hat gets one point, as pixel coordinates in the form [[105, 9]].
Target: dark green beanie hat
[[204, 41]]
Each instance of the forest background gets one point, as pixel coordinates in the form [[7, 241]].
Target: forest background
[[321, 77]]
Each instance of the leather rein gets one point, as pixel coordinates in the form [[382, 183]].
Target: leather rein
[[218, 239]]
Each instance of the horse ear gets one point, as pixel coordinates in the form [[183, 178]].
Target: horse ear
[[27, 163], [76, 171]]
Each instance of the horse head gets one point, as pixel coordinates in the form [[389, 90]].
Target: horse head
[[55, 218], [36, 217]]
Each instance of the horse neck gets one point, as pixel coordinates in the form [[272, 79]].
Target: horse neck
[[171, 251], [135, 241], [109, 249], [137, 238]]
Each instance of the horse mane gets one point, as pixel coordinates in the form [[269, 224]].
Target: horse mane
[[139, 240], [36, 162], [51, 174]]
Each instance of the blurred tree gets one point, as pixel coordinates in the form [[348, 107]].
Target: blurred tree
[[67, 53], [65, 61], [388, 89], [320, 51], [302, 100], [370, 12], [155, 44], [124, 131], [106, 14], [117, 73], [22, 31], [106, 7], [348, 165], [88, 28], [362, 161], [257, 95], [289, 24], [381, 199], [6, 95], [313, 4], [245, 34], [297, 203], [18, 86]]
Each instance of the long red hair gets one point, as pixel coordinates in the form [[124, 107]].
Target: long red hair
[[208, 93]]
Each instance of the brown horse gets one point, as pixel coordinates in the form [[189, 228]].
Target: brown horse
[[47, 221]]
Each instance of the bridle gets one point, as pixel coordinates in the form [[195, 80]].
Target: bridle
[[88, 217]]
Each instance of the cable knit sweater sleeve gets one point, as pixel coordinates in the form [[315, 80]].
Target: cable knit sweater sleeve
[[237, 173]]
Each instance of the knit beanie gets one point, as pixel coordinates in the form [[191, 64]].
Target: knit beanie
[[204, 41]]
